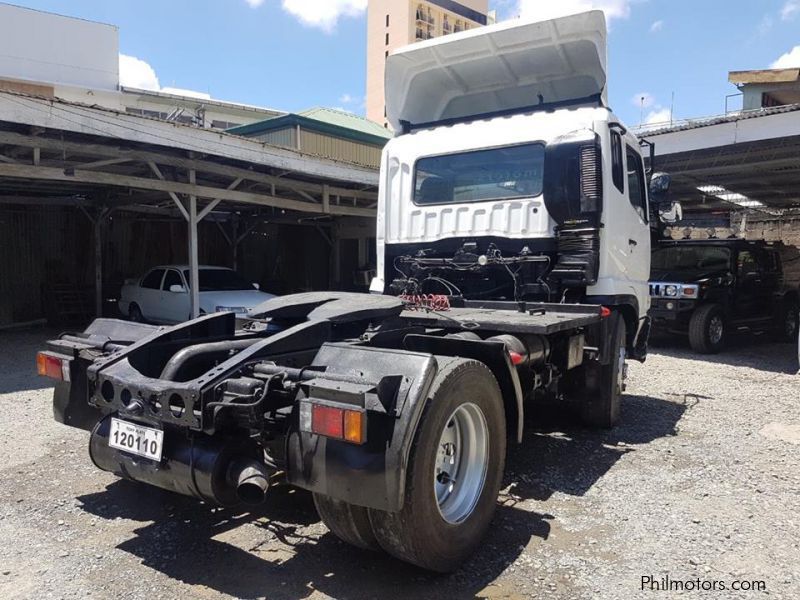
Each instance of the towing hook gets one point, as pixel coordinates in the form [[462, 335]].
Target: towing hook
[[251, 479]]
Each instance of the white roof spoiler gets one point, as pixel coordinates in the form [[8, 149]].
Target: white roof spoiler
[[500, 68]]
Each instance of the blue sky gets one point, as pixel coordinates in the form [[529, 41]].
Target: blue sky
[[294, 54]]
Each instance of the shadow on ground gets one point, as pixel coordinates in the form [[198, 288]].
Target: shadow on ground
[[742, 350], [185, 540]]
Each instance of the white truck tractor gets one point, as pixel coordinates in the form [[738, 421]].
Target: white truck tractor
[[513, 240]]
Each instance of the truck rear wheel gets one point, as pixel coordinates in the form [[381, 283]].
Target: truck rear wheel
[[348, 522], [707, 329], [604, 384], [455, 468]]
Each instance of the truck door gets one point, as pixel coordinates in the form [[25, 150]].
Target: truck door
[[636, 232]]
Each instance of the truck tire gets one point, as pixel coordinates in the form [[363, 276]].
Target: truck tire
[[135, 313], [707, 329], [462, 429], [348, 522], [603, 384], [788, 321]]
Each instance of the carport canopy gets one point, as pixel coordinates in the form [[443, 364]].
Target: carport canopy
[[57, 152], [746, 160]]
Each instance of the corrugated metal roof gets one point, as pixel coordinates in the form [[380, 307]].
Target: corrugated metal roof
[[660, 129], [346, 119], [322, 120]]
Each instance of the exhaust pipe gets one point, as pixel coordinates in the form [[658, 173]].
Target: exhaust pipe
[[251, 479], [222, 474]]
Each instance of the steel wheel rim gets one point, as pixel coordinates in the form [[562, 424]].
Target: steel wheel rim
[[461, 462], [715, 330]]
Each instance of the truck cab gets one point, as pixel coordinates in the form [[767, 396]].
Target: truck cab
[[510, 179]]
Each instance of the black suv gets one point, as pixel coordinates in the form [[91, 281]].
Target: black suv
[[708, 288]]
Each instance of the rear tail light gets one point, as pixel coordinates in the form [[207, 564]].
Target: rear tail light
[[346, 424], [48, 365]]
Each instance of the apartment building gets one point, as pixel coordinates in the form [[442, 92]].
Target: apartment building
[[392, 24]]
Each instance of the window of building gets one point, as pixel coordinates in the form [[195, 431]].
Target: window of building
[[387, 39], [617, 170], [387, 20], [636, 191]]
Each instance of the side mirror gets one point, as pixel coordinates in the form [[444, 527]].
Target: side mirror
[[659, 187], [177, 289], [257, 286]]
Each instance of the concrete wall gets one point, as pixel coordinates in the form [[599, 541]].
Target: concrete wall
[[44, 47]]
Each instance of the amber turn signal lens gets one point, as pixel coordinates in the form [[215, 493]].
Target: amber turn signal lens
[[355, 427]]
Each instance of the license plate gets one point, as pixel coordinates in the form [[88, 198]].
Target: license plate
[[142, 441]]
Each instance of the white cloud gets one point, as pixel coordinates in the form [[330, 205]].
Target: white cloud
[[543, 9], [323, 14], [659, 115], [254, 3], [347, 99], [134, 72], [765, 25], [656, 26], [137, 73], [790, 60], [790, 10], [645, 99]]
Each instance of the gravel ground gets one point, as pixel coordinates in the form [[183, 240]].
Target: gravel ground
[[700, 482]]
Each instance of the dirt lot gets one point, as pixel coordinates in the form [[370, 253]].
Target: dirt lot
[[700, 483]]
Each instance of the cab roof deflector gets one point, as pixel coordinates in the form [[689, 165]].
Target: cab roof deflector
[[514, 66]]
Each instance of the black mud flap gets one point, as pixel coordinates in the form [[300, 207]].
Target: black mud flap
[[392, 385]]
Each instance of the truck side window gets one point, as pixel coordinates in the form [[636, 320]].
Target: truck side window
[[617, 170], [172, 278], [636, 193], [152, 281]]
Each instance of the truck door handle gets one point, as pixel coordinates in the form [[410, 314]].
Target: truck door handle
[[633, 242]]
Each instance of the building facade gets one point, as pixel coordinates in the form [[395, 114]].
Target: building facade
[[392, 24], [767, 88], [54, 56]]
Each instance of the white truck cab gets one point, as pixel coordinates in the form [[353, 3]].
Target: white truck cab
[[507, 153]]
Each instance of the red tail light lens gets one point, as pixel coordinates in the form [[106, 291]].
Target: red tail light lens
[[327, 421], [334, 422]]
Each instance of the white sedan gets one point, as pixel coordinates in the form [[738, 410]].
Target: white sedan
[[162, 295]]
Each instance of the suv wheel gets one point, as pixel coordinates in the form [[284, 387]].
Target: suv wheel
[[707, 329], [788, 322]]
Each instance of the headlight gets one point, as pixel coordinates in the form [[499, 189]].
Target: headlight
[[671, 290]]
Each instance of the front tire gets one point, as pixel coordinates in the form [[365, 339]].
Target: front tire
[[135, 313], [707, 329], [455, 468]]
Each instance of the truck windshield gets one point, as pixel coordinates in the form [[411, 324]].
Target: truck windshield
[[219, 280], [480, 175], [691, 258]]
